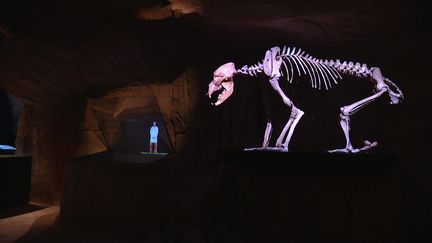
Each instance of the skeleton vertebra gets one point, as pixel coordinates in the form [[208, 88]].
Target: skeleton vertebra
[[321, 73]]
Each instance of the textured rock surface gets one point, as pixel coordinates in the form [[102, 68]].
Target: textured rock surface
[[74, 61]]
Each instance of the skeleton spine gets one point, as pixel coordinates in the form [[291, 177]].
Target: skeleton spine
[[252, 70], [299, 56], [357, 69], [322, 73]]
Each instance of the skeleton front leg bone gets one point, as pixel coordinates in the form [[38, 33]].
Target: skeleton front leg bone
[[267, 135], [348, 111], [271, 65], [295, 116], [289, 127]]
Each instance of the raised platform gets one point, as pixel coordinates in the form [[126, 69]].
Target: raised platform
[[7, 150], [137, 157], [311, 163], [245, 196], [314, 197]]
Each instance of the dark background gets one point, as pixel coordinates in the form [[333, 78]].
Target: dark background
[[63, 53]]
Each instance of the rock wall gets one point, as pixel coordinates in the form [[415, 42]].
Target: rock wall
[[55, 133]]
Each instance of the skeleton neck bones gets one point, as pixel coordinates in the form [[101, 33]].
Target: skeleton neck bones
[[321, 73]]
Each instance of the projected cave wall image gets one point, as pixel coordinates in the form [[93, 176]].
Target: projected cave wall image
[[122, 126], [277, 121], [139, 131]]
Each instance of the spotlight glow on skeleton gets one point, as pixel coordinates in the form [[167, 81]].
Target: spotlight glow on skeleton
[[322, 74]]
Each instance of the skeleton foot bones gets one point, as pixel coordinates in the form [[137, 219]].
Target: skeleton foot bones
[[289, 62]]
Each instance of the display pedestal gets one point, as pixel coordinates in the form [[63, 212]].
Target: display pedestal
[[310, 163], [314, 197], [241, 197]]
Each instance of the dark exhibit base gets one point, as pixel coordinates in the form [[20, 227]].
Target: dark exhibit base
[[15, 179], [312, 197], [141, 157], [242, 197], [311, 163], [7, 152]]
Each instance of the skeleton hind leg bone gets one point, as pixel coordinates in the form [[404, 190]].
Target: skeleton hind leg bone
[[349, 110]]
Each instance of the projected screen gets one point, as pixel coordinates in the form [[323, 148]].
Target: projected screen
[[142, 139], [125, 125], [10, 108]]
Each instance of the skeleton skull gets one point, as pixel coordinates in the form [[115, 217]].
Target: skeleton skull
[[223, 82]]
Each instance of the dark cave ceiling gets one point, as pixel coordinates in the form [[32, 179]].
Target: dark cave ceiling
[[333, 20], [80, 46]]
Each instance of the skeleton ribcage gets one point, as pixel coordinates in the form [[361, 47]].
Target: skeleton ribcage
[[321, 73]]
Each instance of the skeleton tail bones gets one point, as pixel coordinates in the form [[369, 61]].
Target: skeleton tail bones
[[321, 73]]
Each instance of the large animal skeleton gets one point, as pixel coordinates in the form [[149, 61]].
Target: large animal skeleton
[[321, 73]]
